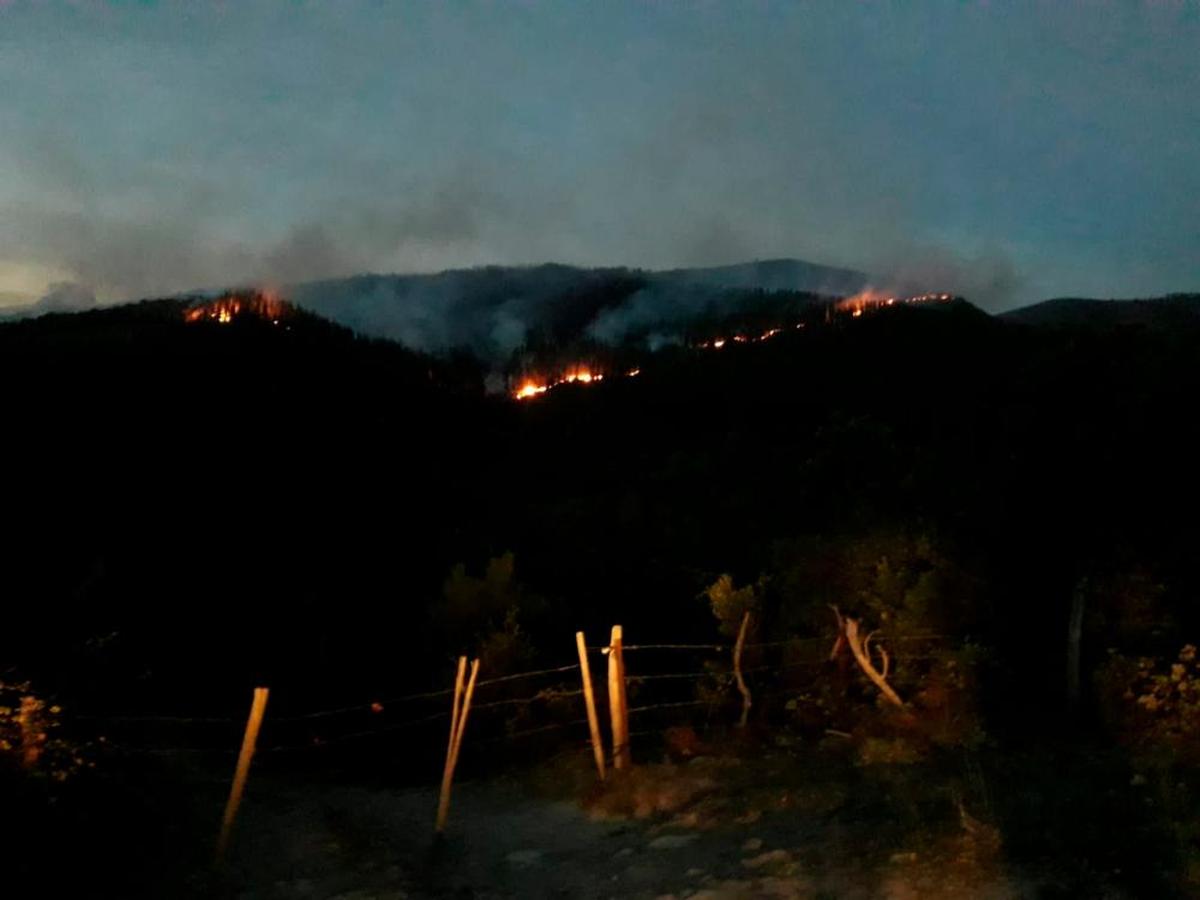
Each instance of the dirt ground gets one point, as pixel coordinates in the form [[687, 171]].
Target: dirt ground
[[771, 827]]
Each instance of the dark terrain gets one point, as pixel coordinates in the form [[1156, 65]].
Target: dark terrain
[[197, 508]]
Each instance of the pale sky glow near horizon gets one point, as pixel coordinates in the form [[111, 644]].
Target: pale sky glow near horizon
[[1008, 151]]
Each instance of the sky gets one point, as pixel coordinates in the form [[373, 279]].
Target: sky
[[1008, 151]]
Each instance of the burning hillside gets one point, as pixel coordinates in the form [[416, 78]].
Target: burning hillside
[[871, 299], [528, 386], [534, 386], [224, 309]]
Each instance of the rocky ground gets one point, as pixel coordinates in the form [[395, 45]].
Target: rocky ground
[[779, 826]]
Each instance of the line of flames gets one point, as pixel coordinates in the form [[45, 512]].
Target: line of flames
[[532, 387], [872, 299], [855, 305]]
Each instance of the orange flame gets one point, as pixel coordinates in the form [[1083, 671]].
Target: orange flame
[[225, 309], [856, 305], [873, 299], [533, 387]]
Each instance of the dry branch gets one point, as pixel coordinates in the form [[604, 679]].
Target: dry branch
[[860, 649]]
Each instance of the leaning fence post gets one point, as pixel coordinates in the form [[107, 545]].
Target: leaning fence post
[[463, 713], [458, 725], [737, 669], [447, 770], [257, 708], [589, 699], [618, 713]]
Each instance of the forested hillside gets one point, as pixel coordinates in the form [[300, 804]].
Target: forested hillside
[[256, 491]]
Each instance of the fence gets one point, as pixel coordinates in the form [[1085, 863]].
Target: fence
[[569, 700]]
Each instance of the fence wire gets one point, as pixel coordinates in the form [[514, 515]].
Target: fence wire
[[381, 707]]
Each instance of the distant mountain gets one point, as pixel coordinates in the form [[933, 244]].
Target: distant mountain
[[1169, 312], [771, 275], [495, 309]]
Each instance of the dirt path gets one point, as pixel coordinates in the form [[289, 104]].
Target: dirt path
[[686, 831]]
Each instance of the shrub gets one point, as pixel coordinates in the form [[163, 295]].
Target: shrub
[[1154, 705], [29, 739]]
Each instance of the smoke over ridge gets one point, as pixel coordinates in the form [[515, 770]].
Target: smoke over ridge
[[494, 310]]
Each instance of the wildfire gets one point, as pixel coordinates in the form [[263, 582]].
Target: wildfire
[[225, 309], [531, 387], [873, 299], [582, 375], [857, 305]]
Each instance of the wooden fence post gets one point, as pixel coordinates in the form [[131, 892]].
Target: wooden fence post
[[458, 724], [257, 708], [589, 698], [447, 771], [737, 669], [617, 709], [463, 713]]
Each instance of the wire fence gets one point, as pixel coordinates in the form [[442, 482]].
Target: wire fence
[[562, 701], [515, 710]]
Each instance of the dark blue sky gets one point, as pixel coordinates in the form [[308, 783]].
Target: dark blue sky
[[1009, 150]]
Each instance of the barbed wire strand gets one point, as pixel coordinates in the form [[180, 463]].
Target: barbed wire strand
[[670, 675], [557, 726], [571, 668], [638, 709], [165, 751], [319, 743], [525, 701], [203, 720], [545, 696], [717, 647]]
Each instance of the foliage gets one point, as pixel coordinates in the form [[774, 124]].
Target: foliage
[[483, 615], [900, 582], [506, 648], [947, 696], [920, 605], [473, 605], [1154, 704], [730, 604], [887, 751], [1126, 609], [29, 738]]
